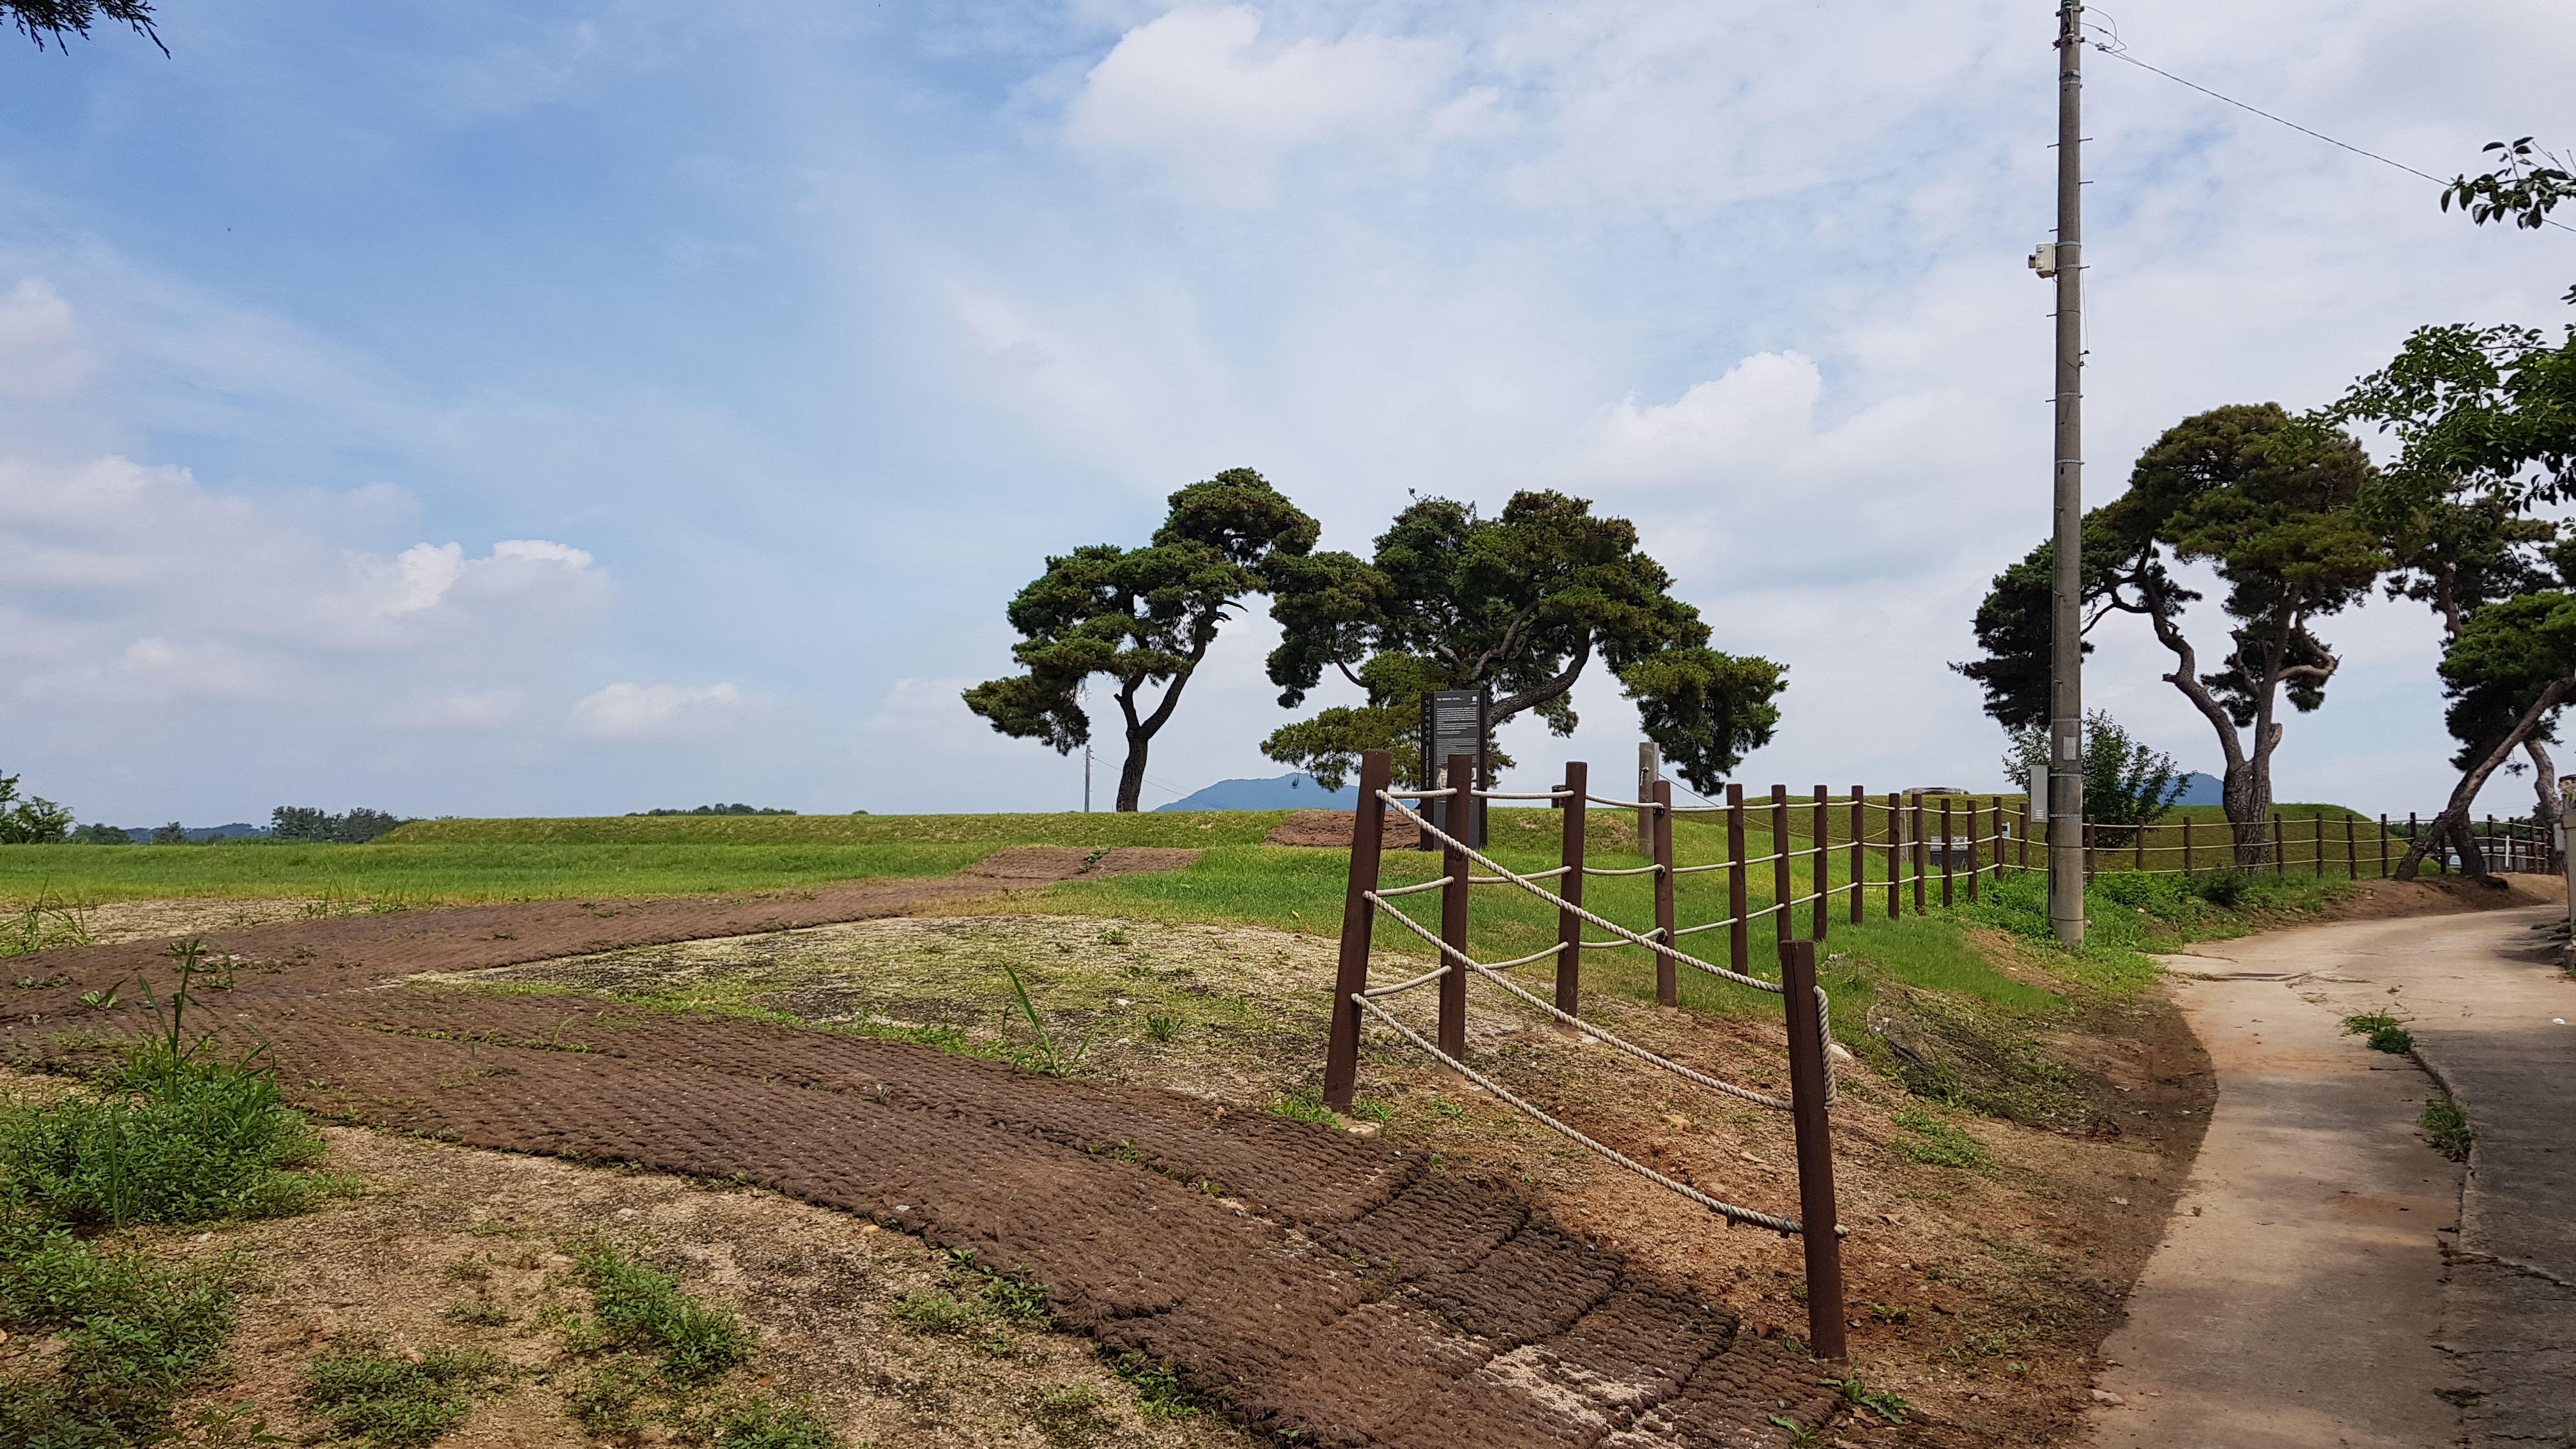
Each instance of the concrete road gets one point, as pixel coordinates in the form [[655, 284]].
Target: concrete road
[[2328, 1278]]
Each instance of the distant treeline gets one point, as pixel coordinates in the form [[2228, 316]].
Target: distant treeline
[[710, 810], [298, 822]]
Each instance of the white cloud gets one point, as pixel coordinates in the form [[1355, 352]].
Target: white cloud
[[657, 711], [42, 352], [1201, 94], [424, 575], [459, 708]]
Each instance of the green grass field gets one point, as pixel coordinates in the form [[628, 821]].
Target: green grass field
[[435, 874]]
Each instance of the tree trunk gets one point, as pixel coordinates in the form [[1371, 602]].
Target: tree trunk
[[2454, 819], [1131, 776]]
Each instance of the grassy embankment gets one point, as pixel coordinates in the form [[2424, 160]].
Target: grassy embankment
[[1237, 881]]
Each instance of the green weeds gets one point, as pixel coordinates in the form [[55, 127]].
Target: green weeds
[[1943, 1144], [1886, 1406], [2447, 1128], [2385, 1032], [1160, 1396], [975, 1305], [136, 1337], [363, 1392], [1050, 1058], [1303, 1104], [642, 1308]]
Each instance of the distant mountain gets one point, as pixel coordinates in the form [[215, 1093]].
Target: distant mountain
[[1296, 791], [2198, 789]]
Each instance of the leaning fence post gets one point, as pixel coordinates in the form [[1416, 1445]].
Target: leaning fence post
[[1815, 1151], [1859, 852], [1668, 977], [1824, 861], [1453, 905], [1359, 925], [1739, 934], [1784, 927], [1569, 887]]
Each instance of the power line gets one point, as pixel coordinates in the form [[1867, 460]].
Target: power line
[[2122, 54]]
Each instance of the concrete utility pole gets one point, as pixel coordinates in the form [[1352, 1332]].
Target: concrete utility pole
[[1086, 777], [2066, 644]]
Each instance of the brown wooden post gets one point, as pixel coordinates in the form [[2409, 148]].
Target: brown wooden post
[[1946, 828], [1859, 852], [2186, 845], [2138, 852], [1815, 1152], [2351, 850], [1668, 979], [2022, 852], [1895, 843], [1453, 906], [1976, 860], [1922, 849], [2319, 831], [1569, 926], [1739, 936], [1784, 927], [2383, 845], [2280, 845], [1997, 835], [1359, 925], [1824, 861]]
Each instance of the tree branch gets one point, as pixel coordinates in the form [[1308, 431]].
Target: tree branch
[[2455, 814]]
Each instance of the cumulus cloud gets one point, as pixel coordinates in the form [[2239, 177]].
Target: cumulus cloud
[[42, 352], [657, 711], [423, 576], [1203, 94]]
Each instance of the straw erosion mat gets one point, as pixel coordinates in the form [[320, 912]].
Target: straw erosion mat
[[1317, 1285]]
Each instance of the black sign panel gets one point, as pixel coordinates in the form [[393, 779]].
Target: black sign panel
[[1453, 723]]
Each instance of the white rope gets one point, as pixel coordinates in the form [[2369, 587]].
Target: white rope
[[1824, 1013], [1631, 937], [1696, 869], [1777, 1104], [1625, 804], [1408, 984], [1411, 890], [1634, 870], [1499, 795], [1461, 957], [1725, 1210], [1533, 875]]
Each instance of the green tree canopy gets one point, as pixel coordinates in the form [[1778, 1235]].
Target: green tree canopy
[[2269, 505], [1519, 603], [2126, 784], [1141, 617], [32, 819], [51, 20]]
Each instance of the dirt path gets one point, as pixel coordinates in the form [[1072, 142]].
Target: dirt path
[[1314, 1282], [2310, 1290]]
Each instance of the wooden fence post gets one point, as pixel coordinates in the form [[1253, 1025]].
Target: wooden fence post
[[1824, 861], [1895, 843], [1859, 852], [1668, 980], [2320, 833], [1453, 905], [1948, 839], [2280, 845], [1784, 926], [1569, 926], [1922, 848], [2351, 850], [2022, 852], [2383, 845], [1739, 935], [1359, 925], [1976, 861], [1815, 1152], [2186, 845]]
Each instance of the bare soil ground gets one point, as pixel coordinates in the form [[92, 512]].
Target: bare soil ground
[[1510, 1289]]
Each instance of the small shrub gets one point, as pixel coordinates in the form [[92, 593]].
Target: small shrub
[[476, 1314], [2224, 886], [1886, 1406], [1163, 1028], [2447, 1128], [639, 1306], [2384, 1031], [1943, 1144], [365, 1393], [609, 1399]]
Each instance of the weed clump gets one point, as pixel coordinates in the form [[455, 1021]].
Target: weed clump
[[1304, 1104], [365, 1393], [642, 1307], [135, 1336], [2447, 1128], [1160, 1395], [2384, 1031], [1943, 1144]]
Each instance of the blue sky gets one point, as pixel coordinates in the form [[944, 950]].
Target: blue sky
[[571, 408]]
